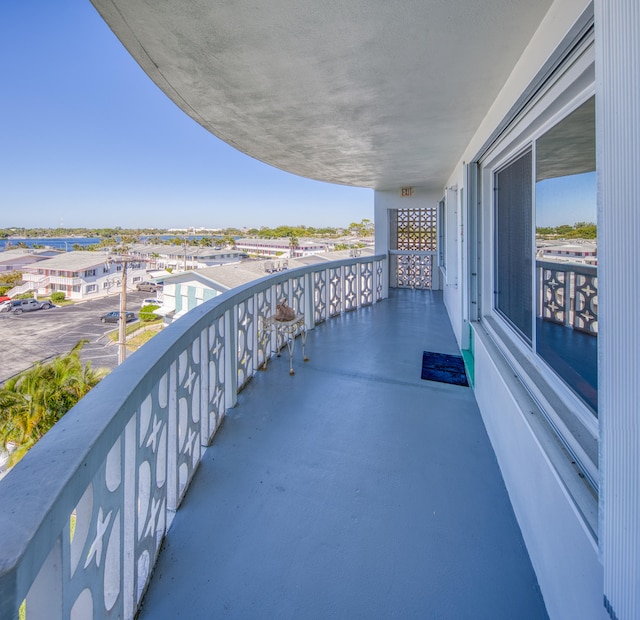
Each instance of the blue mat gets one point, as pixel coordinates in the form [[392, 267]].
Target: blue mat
[[443, 368]]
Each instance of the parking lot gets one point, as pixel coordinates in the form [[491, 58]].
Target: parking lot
[[42, 334]]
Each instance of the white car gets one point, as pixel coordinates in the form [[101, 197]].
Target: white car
[[18, 306], [155, 302], [4, 306]]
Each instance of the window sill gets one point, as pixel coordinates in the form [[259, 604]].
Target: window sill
[[572, 449]]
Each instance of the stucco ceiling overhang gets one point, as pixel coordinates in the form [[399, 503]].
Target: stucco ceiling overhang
[[359, 92]]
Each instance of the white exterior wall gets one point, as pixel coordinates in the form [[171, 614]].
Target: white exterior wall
[[452, 280], [386, 200], [618, 133], [190, 290], [104, 283], [563, 551], [168, 298]]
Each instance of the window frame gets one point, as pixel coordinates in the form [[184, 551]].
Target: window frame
[[572, 421]]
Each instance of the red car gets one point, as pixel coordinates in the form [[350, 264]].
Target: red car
[[4, 298]]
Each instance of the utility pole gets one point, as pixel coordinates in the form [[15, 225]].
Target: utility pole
[[122, 319], [123, 260]]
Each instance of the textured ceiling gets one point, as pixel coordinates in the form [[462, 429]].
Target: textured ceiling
[[365, 92]]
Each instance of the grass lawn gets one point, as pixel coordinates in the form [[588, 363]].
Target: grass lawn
[[146, 331], [135, 342]]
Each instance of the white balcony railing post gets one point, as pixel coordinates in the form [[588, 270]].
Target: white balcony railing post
[[44, 599], [231, 357], [206, 430], [172, 438], [309, 306], [130, 520]]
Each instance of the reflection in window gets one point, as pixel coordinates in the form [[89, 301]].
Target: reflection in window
[[513, 244], [566, 251]]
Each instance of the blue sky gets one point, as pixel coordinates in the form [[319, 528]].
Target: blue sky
[[86, 139], [566, 200]]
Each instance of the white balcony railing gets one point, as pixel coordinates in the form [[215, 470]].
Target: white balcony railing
[[413, 269], [83, 515], [34, 285], [66, 281], [568, 295]]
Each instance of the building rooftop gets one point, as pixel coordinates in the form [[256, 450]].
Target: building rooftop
[[20, 253], [74, 261], [278, 243], [164, 250]]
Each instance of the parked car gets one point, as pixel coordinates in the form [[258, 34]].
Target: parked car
[[18, 306], [114, 317], [5, 305], [150, 287], [4, 298], [151, 301]]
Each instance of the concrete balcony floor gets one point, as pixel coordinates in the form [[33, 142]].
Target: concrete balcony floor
[[352, 490]]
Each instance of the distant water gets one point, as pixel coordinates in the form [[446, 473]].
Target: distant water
[[67, 243], [58, 243]]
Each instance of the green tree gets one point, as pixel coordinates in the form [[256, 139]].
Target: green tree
[[8, 280], [33, 401], [363, 229]]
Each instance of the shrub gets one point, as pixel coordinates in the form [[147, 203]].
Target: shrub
[[11, 278], [147, 313], [57, 297]]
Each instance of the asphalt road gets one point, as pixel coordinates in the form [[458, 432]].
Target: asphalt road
[[40, 335]]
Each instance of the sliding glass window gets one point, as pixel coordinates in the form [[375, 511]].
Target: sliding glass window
[[566, 251], [513, 244], [548, 292]]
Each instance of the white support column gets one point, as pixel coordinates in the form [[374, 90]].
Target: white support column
[[618, 159]]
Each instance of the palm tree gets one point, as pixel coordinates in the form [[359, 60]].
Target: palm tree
[[33, 401], [293, 245]]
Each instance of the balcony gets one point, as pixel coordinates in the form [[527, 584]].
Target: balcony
[[567, 324], [352, 489], [66, 280]]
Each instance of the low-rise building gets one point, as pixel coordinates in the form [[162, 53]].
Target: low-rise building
[[578, 251], [280, 247], [81, 275], [18, 258], [180, 257]]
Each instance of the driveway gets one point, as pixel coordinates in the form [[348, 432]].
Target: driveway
[[40, 335]]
